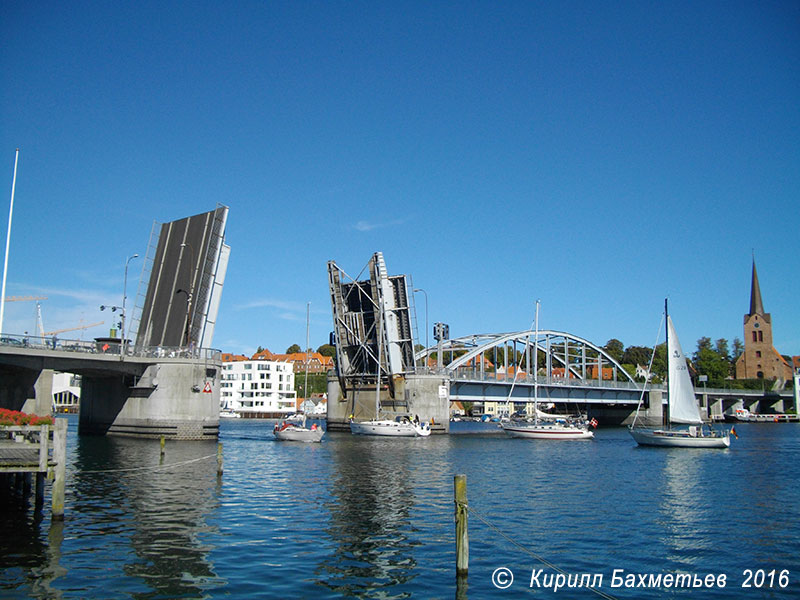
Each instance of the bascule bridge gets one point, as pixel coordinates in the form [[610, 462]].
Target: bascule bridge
[[165, 380], [374, 321]]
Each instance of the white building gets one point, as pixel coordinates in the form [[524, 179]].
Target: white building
[[66, 392], [258, 388]]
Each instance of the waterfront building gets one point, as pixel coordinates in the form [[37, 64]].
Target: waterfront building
[[760, 360], [66, 392], [316, 362], [257, 388]]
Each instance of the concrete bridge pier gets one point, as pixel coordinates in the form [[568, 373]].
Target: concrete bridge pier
[[177, 401], [18, 390], [653, 414], [415, 395]]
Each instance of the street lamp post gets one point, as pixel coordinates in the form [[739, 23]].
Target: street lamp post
[[426, 322], [189, 293], [124, 296], [188, 320]]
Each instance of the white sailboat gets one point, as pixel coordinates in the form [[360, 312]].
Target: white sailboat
[[682, 407], [289, 430], [401, 426], [545, 427]]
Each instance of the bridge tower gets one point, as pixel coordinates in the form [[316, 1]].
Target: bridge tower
[[174, 391], [374, 338]]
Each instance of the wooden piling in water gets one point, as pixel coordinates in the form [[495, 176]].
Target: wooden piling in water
[[163, 449], [60, 468], [219, 459], [462, 534]]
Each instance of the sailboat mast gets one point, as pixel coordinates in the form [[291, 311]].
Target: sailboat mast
[[8, 241], [379, 335], [536, 365], [308, 349], [666, 416]]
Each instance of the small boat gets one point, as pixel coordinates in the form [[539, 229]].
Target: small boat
[[227, 413], [745, 416], [545, 426], [293, 427], [549, 430], [400, 427], [682, 407], [289, 431]]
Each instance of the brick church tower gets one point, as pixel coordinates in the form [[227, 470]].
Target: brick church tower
[[759, 359]]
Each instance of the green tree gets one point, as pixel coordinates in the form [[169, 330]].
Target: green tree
[[709, 361], [327, 350], [615, 349], [738, 349], [660, 363], [721, 346], [637, 355], [293, 349]]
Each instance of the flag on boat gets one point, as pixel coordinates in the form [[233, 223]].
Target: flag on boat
[[593, 422], [733, 432]]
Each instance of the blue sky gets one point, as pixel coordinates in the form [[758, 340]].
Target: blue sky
[[596, 156]]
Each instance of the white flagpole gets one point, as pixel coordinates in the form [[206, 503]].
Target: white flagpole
[[8, 242]]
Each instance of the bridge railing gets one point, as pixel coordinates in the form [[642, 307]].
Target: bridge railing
[[108, 347], [469, 375]]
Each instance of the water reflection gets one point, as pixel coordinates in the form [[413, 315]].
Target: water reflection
[[155, 514], [684, 507], [370, 522], [24, 555]]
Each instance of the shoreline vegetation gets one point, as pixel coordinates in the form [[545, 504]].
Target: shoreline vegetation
[[713, 360]]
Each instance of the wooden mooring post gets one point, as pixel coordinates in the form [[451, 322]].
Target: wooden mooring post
[[219, 459], [59, 469], [462, 534]]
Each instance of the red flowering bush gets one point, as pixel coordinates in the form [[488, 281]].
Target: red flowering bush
[[15, 417]]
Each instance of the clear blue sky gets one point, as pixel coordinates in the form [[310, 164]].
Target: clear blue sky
[[597, 156]]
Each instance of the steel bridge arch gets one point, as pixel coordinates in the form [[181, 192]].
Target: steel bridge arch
[[478, 344]]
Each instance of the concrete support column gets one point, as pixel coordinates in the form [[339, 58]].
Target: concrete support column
[[17, 390], [177, 401]]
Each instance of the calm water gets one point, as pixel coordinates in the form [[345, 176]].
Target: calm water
[[369, 517]]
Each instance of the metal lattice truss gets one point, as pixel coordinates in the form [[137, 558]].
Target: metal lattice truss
[[372, 324], [556, 354]]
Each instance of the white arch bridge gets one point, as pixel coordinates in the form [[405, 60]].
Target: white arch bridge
[[499, 367]]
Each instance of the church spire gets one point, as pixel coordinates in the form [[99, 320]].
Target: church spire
[[756, 306]]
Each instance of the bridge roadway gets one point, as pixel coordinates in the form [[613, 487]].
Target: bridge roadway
[[610, 397], [143, 392]]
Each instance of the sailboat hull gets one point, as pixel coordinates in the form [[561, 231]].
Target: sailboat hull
[[542, 431], [678, 439], [295, 433], [389, 428]]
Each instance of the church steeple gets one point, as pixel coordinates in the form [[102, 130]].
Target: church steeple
[[760, 359], [756, 306]]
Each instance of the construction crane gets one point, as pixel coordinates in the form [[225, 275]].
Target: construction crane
[[57, 331], [24, 298]]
